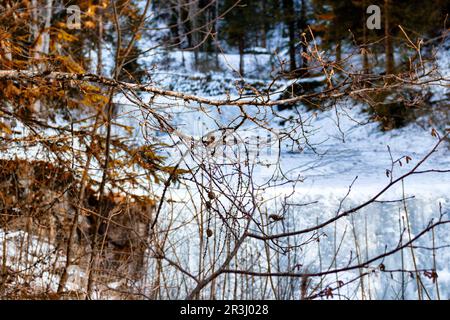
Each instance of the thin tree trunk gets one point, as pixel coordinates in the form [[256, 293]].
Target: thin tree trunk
[[180, 26], [41, 37], [241, 55], [338, 51], [99, 45], [182, 38], [216, 34], [193, 9], [289, 14], [364, 48], [389, 51], [302, 24], [265, 26]]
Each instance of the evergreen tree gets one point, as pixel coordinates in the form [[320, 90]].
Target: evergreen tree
[[240, 26]]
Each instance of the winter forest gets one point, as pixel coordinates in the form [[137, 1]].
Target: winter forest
[[225, 149]]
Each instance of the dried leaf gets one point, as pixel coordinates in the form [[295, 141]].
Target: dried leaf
[[276, 217], [5, 128], [434, 132]]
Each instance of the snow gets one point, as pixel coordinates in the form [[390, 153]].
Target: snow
[[345, 147]]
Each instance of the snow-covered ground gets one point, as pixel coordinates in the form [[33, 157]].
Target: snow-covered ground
[[343, 143], [345, 146], [341, 146]]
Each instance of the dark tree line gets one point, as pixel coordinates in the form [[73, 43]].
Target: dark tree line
[[251, 23]]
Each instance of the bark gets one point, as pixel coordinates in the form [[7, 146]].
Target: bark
[[338, 51], [389, 51], [265, 27], [180, 26], [193, 9], [40, 36], [216, 34], [289, 14], [241, 55], [37, 77], [365, 58], [302, 28], [99, 45]]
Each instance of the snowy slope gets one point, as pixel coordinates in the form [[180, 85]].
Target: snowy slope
[[345, 147]]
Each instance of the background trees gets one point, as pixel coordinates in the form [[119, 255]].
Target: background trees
[[98, 142]]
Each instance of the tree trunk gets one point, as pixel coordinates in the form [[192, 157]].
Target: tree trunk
[[193, 9], [99, 45], [41, 37], [366, 67], [241, 55], [338, 51], [216, 34], [180, 27], [389, 51], [302, 24], [289, 19], [265, 26]]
